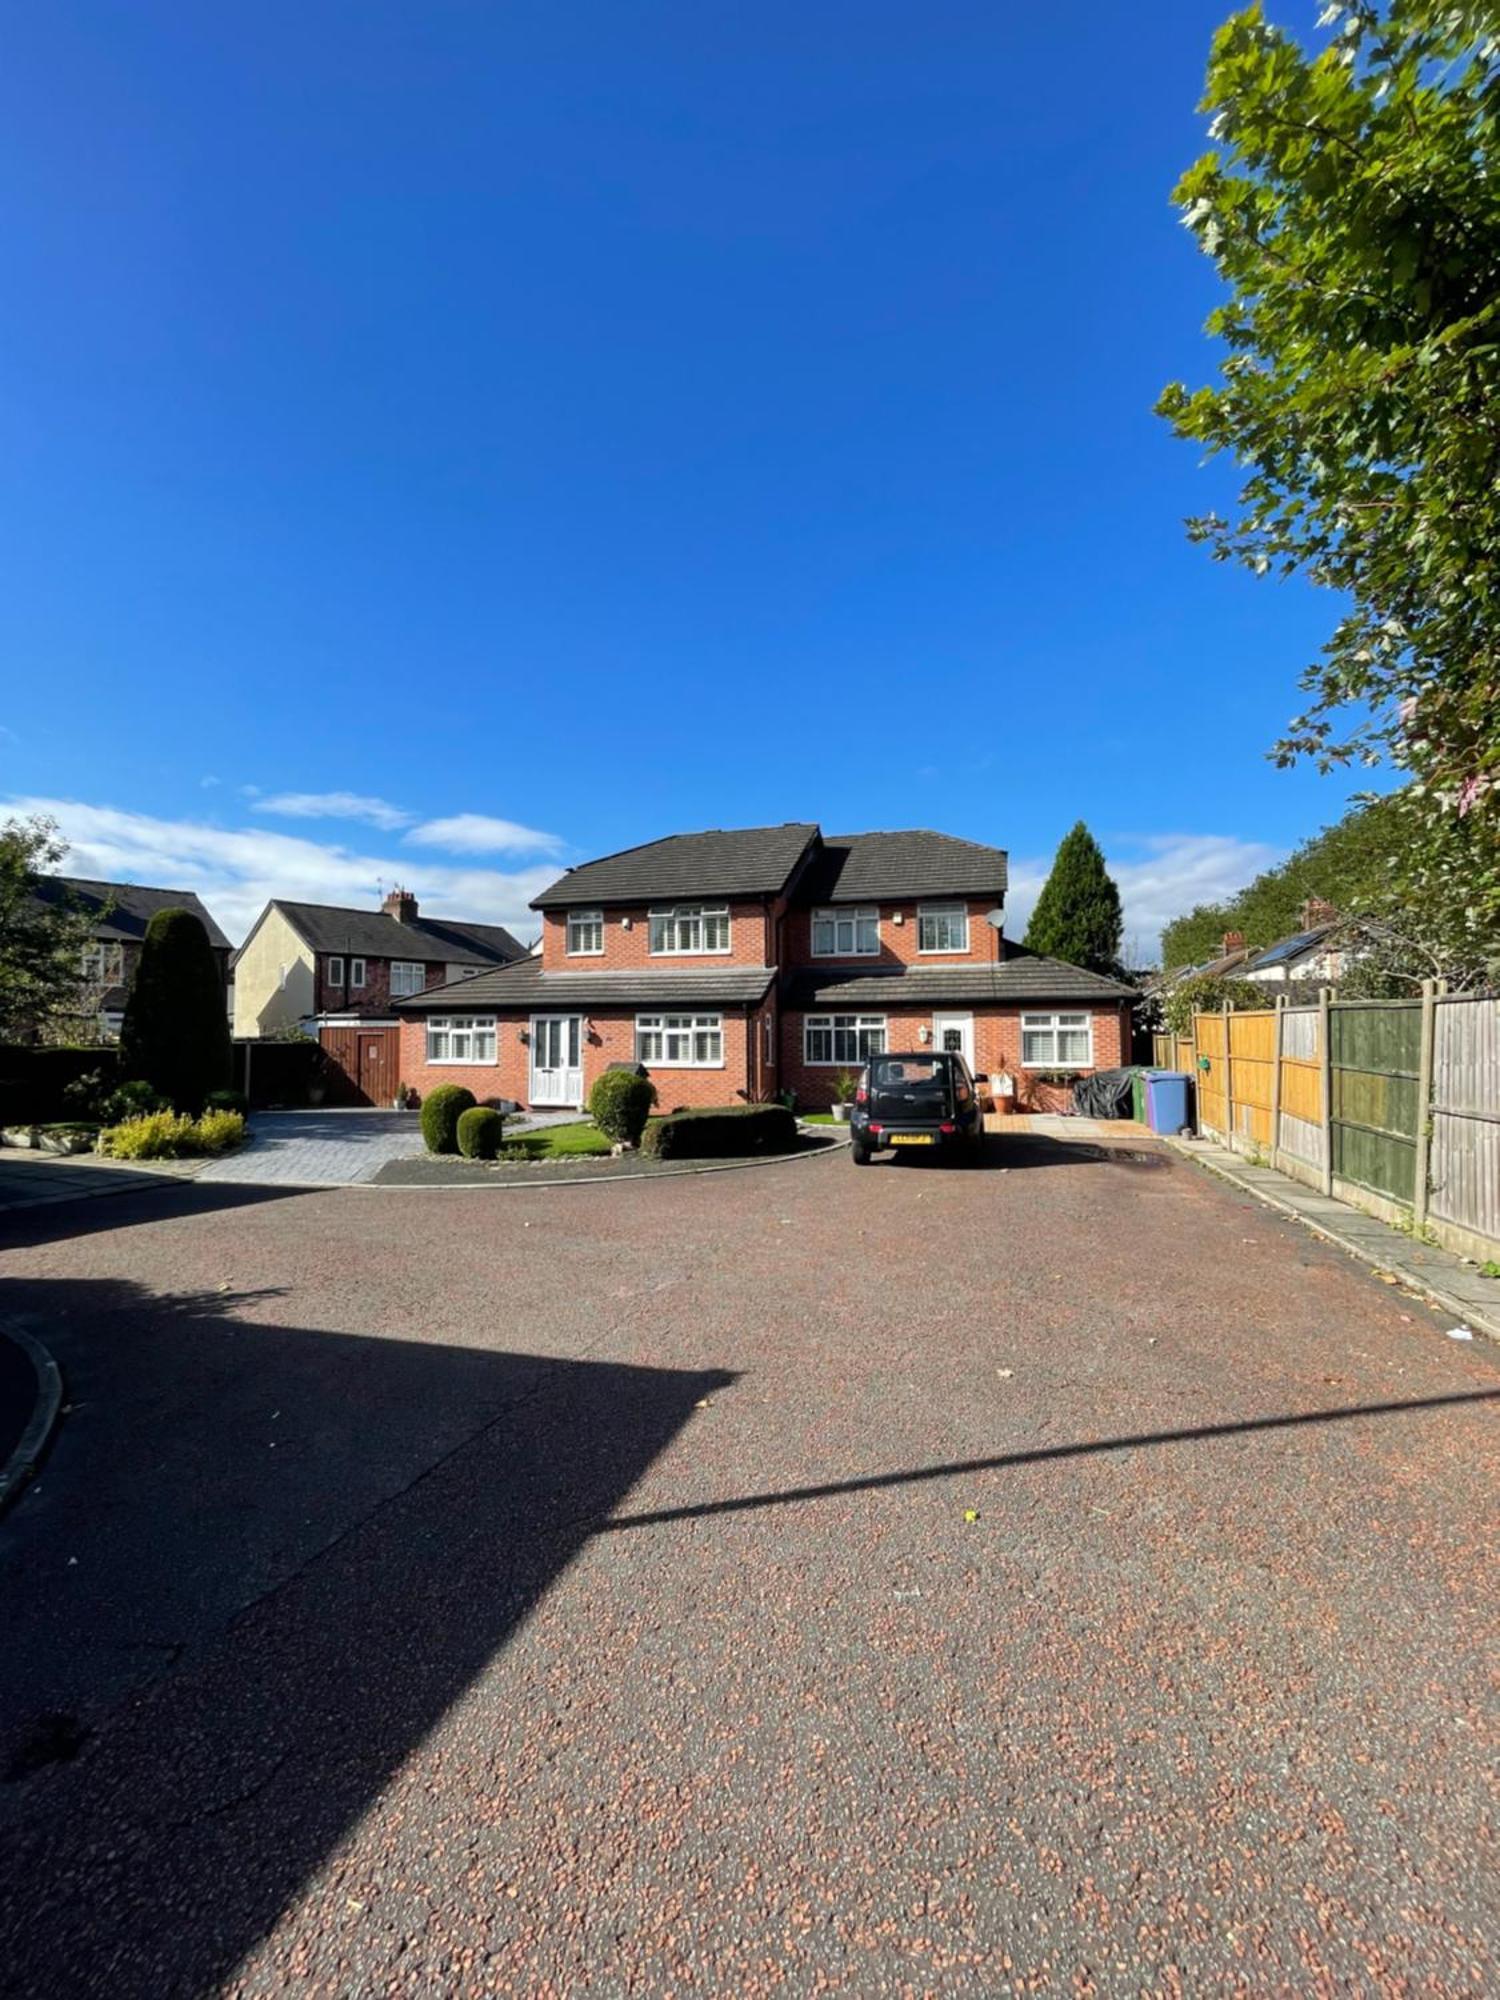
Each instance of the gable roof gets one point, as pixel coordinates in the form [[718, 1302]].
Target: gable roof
[[1019, 977], [874, 867], [374, 934], [739, 861], [525, 985], [123, 909]]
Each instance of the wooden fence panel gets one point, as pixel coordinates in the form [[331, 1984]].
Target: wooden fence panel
[[1208, 1034], [1302, 1133], [1376, 1053], [1464, 1169], [1252, 1048]]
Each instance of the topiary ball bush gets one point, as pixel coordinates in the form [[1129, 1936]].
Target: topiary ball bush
[[480, 1131], [441, 1110], [620, 1103]]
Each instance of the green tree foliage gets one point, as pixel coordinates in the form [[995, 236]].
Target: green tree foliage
[[1077, 915], [1385, 862], [1353, 210], [175, 1035], [41, 941]]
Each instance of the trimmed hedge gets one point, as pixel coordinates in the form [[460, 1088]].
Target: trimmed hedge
[[726, 1133], [620, 1103], [480, 1131], [441, 1110]]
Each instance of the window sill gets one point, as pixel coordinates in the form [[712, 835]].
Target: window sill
[[463, 1062]]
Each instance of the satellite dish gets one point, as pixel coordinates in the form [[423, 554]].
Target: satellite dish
[[995, 919]]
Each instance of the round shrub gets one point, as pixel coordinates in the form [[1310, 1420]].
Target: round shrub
[[620, 1103], [480, 1131], [441, 1111]]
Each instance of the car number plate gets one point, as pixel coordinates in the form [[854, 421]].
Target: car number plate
[[911, 1138]]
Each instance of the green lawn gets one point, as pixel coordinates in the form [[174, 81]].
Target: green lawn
[[582, 1140], [817, 1118]]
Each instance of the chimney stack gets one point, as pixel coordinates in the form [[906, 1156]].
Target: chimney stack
[[1315, 912], [402, 905], [1233, 941]]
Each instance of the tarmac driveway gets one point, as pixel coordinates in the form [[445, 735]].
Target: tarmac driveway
[[1065, 1577]]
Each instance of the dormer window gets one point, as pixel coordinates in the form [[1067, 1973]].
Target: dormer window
[[690, 928], [585, 933], [845, 933], [942, 927]]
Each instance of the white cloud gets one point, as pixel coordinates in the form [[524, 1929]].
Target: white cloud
[[476, 833], [1161, 876], [333, 805], [237, 870]]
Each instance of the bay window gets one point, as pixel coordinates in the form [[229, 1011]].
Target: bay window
[[845, 933], [690, 927], [461, 1038], [680, 1041], [845, 1039], [1057, 1041]]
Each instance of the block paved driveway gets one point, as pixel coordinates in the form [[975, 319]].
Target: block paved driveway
[[1064, 1578], [332, 1148]]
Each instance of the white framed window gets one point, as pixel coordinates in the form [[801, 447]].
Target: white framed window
[[1057, 1041], [680, 1041], [356, 972], [103, 962], [585, 933], [690, 927], [461, 1038], [334, 972], [407, 977], [845, 933], [845, 1039], [942, 927]]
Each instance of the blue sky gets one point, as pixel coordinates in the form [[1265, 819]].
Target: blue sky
[[441, 441]]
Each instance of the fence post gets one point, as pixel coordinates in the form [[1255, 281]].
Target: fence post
[[1276, 1076], [1424, 1102], [1228, 1083], [1325, 1054]]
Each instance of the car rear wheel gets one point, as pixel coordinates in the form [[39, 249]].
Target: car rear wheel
[[861, 1154]]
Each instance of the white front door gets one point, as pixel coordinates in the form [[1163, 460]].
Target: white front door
[[954, 1032], [557, 1059]]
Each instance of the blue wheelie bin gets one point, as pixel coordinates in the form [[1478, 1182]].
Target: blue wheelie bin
[[1167, 1100]]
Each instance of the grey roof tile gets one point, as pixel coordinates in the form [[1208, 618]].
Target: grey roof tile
[[742, 861], [374, 934], [871, 867], [525, 986], [133, 905], [1019, 977]]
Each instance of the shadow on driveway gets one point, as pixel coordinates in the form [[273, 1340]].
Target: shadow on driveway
[[327, 1537]]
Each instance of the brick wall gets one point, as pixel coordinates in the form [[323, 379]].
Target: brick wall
[[997, 1042], [375, 995], [612, 1040], [898, 941], [750, 940]]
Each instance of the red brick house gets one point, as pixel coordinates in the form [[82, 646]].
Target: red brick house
[[119, 913], [738, 964]]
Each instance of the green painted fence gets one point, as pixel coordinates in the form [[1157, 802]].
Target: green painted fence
[[1376, 1049]]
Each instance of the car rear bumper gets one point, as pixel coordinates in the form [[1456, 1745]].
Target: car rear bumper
[[920, 1138]]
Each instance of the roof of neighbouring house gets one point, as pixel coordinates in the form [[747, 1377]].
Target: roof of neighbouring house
[[374, 934], [1287, 950], [525, 986], [123, 909], [872, 867], [1019, 977], [740, 861]]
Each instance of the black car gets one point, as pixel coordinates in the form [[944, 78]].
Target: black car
[[924, 1101]]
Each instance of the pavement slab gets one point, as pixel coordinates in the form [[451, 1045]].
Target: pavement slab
[[1068, 1576]]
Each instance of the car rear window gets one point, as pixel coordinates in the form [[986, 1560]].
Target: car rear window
[[908, 1072]]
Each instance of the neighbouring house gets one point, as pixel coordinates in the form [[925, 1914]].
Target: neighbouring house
[[336, 973], [739, 964], [120, 912], [1318, 954]]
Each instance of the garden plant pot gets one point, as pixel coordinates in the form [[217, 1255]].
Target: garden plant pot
[[843, 1112]]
